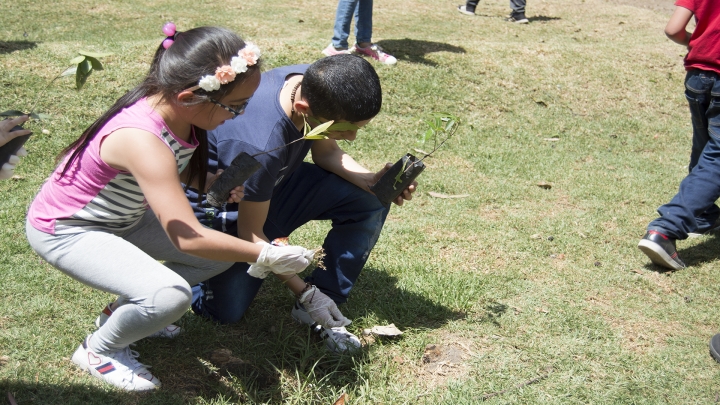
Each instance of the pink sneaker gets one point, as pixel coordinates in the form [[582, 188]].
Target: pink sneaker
[[374, 51], [331, 50]]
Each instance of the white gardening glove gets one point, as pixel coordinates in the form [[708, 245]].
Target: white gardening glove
[[259, 271], [8, 169], [322, 309], [280, 260]]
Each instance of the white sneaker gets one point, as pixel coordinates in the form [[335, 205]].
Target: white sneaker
[[169, 332], [331, 50], [336, 339], [374, 51], [120, 369]]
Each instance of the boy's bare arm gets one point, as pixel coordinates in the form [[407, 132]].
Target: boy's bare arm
[[676, 27]]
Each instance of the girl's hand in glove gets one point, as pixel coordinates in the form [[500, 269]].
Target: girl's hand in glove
[[322, 309], [281, 260]]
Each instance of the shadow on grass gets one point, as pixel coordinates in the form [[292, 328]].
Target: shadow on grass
[[10, 46], [67, 394], [542, 18], [264, 358], [414, 50], [377, 293]]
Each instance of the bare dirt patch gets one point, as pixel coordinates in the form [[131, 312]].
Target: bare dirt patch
[[445, 360]]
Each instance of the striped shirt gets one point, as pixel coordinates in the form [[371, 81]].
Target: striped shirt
[[97, 196]]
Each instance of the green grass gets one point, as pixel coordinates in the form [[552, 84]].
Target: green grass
[[511, 283]]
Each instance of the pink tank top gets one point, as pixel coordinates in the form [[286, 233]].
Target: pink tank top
[[94, 196]]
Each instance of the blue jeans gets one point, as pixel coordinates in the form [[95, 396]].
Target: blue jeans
[[693, 208], [517, 6], [310, 193], [362, 9]]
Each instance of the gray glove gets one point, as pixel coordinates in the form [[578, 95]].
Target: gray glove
[[322, 309]]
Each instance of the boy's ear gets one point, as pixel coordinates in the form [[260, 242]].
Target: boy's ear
[[302, 107]]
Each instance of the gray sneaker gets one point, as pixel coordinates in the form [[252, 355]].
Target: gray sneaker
[[336, 339]]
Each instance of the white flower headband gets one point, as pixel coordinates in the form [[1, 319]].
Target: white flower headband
[[248, 56]]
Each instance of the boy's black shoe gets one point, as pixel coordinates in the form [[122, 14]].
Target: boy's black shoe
[[661, 250], [464, 10], [517, 18], [715, 347]]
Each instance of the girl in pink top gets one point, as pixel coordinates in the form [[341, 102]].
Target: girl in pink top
[[115, 205]]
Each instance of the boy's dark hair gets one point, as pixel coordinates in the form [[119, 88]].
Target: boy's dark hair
[[193, 54], [342, 87]]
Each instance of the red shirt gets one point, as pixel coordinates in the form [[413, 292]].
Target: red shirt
[[704, 48]]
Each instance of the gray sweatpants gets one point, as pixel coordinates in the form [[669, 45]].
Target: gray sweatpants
[[126, 264]]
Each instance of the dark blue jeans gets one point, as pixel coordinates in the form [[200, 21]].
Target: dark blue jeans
[[310, 193], [517, 6], [693, 208]]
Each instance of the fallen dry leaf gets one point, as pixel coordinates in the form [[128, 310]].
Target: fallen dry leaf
[[551, 139], [388, 330], [439, 195], [544, 185], [341, 400]]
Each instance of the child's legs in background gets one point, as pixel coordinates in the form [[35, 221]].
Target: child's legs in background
[[518, 6], [343, 18], [471, 4], [693, 208], [363, 22], [698, 88]]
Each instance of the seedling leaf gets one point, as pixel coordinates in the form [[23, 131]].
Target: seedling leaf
[[318, 130], [11, 113], [76, 60], [343, 126], [95, 63], [69, 72], [94, 54], [84, 69]]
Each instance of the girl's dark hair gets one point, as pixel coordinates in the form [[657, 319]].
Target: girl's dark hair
[[193, 54], [342, 87]]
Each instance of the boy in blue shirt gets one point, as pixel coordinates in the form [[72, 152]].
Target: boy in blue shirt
[[286, 192]]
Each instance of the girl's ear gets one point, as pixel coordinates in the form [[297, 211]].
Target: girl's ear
[[185, 96], [302, 107]]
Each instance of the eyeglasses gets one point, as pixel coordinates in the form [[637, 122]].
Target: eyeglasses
[[239, 110]]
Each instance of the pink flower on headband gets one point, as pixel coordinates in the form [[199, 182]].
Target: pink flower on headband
[[225, 74], [248, 56], [251, 53]]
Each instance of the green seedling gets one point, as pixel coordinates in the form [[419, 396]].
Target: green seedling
[[441, 127], [82, 66], [320, 131]]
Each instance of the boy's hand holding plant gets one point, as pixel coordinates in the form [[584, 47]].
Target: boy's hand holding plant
[[399, 179]]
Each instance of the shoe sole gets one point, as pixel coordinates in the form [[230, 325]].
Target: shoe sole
[[658, 255], [714, 346]]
